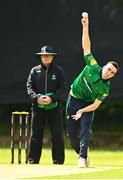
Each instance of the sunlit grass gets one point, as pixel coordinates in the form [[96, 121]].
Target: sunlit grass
[[99, 158]]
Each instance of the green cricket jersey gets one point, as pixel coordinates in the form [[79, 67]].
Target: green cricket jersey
[[89, 85]]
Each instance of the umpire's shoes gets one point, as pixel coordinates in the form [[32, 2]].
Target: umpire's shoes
[[57, 162], [31, 161]]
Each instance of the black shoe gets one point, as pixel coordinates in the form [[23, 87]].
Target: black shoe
[[31, 161], [57, 162]]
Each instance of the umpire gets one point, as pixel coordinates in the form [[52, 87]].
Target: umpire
[[46, 87]]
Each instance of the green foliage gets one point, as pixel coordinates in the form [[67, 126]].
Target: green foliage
[[107, 127], [5, 115], [109, 117]]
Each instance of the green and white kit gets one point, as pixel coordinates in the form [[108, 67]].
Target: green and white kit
[[89, 85]]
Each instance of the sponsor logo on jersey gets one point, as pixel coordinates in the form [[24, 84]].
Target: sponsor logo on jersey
[[53, 77], [93, 61]]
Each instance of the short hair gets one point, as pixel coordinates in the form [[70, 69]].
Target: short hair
[[115, 64]]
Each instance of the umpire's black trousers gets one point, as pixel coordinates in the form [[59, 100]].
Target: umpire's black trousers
[[55, 121]]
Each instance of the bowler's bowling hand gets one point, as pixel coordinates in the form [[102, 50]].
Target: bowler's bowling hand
[[84, 19]]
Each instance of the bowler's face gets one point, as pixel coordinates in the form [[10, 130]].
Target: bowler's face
[[46, 59], [108, 71]]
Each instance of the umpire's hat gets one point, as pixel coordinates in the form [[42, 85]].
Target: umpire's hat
[[47, 50]]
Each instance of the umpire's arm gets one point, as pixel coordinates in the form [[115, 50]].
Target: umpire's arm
[[31, 86]]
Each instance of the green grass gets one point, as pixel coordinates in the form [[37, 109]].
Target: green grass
[[99, 158]]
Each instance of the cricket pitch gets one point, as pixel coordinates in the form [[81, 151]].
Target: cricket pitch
[[13, 171]]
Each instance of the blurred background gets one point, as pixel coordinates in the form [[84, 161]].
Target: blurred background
[[27, 25]]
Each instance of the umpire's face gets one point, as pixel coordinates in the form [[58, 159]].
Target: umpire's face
[[46, 59]]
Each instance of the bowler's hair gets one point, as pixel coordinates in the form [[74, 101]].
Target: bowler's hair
[[115, 64]]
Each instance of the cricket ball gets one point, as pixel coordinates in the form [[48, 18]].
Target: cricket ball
[[84, 14]]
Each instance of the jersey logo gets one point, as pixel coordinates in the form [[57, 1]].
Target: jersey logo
[[38, 71], [104, 95], [93, 61], [53, 77]]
